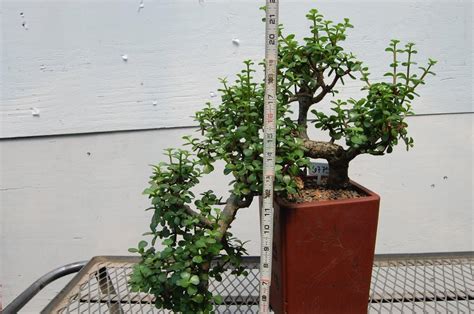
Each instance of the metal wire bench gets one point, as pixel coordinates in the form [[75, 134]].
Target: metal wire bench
[[401, 283]]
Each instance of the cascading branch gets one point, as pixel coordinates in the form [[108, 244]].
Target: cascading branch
[[179, 274], [193, 231]]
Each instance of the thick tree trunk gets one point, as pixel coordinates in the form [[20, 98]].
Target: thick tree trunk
[[304, 102], [324, 150], [338, 160], [338, 173]]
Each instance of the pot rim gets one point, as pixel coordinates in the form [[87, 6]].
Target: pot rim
[[371, 196]]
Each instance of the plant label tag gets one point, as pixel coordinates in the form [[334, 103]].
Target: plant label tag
[[318, 169]]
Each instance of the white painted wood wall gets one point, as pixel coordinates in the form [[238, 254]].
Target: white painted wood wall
[[68, 197]]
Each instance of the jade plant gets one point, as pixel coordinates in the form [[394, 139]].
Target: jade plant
[[190, 239]]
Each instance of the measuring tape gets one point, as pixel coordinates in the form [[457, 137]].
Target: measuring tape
[[269, 136]]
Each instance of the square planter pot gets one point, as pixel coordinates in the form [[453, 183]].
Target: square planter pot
[[323, 254]]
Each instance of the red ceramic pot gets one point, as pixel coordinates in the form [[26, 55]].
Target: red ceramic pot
[[323, 254]]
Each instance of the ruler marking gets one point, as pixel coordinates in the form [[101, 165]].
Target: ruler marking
[[269, 128]]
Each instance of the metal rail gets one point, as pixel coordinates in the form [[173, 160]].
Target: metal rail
[[19, 302]]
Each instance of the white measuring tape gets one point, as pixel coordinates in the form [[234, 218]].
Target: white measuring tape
[[269, 129]]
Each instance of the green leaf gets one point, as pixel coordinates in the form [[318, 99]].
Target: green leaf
[[245, 191], [183, 283], [192, 290], [217, 299], [194, 280], [168, 242], [200, 243], [248, 152], [211, 240], [148, 191], [185, 275], [162, 277], [198, 298], [207, 169], [197, 259], [356, 140]]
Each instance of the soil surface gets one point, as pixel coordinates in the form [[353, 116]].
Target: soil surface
[[313, 191]]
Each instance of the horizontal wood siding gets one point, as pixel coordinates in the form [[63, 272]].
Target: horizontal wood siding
[[67, 65]]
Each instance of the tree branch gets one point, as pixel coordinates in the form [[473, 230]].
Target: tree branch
[[203, 221], [298, 95], [328, 88], [234, 203], [352, 153], [320, 79], [324, 150], [303, 107]]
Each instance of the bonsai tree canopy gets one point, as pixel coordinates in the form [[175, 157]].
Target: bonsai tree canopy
[[194, 230]]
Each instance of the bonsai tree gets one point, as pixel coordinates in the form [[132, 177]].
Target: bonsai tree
[[194, 230]]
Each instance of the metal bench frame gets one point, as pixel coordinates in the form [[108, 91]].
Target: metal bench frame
[[401, 283]]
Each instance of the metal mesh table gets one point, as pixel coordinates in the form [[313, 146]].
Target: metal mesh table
[[414, 283], [423, 283]]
